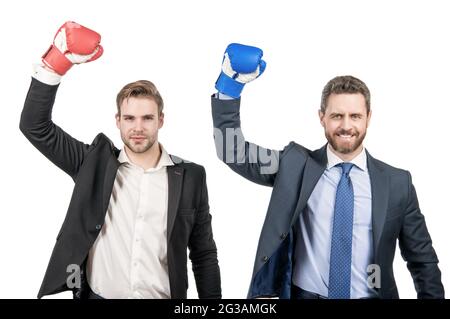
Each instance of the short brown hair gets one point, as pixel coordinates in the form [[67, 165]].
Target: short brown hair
[[141, 88], [344, 84]]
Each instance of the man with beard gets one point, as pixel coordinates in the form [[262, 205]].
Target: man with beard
[[335, 213], [134, 212]]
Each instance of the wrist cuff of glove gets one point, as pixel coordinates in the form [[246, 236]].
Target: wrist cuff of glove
[[56, 60], [229, 86], [45, 76]]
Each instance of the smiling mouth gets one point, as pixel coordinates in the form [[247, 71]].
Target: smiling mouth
[[345, 136]]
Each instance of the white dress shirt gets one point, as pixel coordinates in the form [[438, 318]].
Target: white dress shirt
[[129, 257], [312, 252]]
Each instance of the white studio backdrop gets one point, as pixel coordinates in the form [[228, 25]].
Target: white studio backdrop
[[399, 48]]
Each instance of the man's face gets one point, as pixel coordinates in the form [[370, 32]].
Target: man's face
[[345, 122], [139, 123]]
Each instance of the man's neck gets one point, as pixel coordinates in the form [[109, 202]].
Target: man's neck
[[347, 157], [146, 160]]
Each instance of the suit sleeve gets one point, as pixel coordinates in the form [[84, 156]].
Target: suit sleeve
[[256, 163], [203, 251], [417, 250], [36, 124]]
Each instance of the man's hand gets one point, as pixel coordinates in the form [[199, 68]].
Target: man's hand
[[73, 44], [241, 64]]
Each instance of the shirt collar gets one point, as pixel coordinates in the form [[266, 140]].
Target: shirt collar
[[360, 160], [164, 160]]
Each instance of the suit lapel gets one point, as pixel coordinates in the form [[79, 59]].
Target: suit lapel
[[314, 168], [379, 181], [110, 176], [175, 179]]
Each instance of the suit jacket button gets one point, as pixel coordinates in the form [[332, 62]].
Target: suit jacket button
[[283, 236], [265, 258], [98, 227]]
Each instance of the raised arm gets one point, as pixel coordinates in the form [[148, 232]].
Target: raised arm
[[241, 64], [73, 44]]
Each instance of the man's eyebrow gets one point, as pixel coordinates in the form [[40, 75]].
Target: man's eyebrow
[[145, 115]]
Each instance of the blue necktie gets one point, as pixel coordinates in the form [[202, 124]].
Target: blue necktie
[[341, 241]]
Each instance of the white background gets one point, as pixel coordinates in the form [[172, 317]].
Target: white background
[[399, 48]]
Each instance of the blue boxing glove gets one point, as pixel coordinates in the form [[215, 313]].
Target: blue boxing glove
[[241, 64]]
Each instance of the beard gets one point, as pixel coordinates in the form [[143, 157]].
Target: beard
[[345, 147], [139, 146]]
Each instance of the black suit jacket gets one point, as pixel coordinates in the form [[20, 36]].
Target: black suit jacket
[[293, 174], [93, 169]]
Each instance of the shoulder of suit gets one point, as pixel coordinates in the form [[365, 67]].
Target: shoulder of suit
[[102, 139], [293, 146], [185, 163], [392, 170]]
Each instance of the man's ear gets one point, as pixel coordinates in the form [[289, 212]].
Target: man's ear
[[321, 117], [118, 120], [160, 120], [369, 116]]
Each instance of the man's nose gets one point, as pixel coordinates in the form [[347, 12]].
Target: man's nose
[[138, 125], [346, 123]]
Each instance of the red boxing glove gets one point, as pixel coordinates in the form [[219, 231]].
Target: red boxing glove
[[73, 44]]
